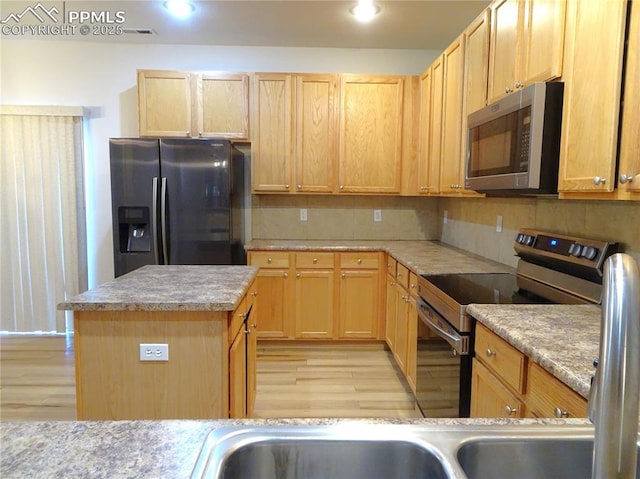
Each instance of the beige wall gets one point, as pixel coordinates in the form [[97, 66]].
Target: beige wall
[[471, 223], [344, 217]]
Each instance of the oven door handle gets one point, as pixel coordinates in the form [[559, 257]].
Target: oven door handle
[[459, 343]]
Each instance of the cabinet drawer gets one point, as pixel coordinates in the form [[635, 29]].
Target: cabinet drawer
[[314, 260], [391, 266], [269, 259], [359, 260], [547, 396], [503, 359], [402, 276], [413, 284]]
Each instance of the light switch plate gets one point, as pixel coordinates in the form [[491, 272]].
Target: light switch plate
[[499, 224], [445, 217], [303, 214], [377, 215]]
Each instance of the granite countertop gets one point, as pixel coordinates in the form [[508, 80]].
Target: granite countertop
[[421, 257], [169, 288], [563, 339], [152, 449]]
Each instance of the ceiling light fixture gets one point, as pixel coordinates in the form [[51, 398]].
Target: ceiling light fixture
[[179, 8], [365, 10]]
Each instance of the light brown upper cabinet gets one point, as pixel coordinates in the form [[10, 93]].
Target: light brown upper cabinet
[[452, 158], [222, 105], [295, 137], [629, 170], [476, 65], [164, 103], [193, 105], [430, 133], [370, 134], [526, 43], [316, 133], [592, 75], [272, 130]]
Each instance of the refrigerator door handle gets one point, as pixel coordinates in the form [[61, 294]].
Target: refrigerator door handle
[[163, 219], [154, 220]]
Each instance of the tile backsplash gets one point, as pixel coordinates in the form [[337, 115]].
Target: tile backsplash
[[471, 223], [344, 217]]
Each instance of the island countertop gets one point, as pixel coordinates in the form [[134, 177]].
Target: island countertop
[[169, 288]]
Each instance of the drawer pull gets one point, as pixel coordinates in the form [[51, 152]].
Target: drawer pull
[[510, 410], [269, 260], [254, 293], [490, 352], [359, 261], [315, 260], [561, 413]]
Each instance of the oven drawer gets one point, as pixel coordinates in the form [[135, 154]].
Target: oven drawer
[[503, 359]]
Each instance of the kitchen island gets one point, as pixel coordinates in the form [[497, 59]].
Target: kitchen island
[[197, 313]]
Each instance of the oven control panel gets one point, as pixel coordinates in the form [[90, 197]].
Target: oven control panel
[[545, 247]]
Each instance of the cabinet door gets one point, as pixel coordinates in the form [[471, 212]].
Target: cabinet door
[[476, 65], [273, 303], [451, 166], [402, 328], [428, 167], [314, 292], [592, 87], [223, 105], [272, 146], [489, 397], [316, 133], [238, 376], [359, 301], [542, 41], [371, 134], [629, 174], [435, 137], [549, 397], [390, 319], [164, 103], [505, 21]]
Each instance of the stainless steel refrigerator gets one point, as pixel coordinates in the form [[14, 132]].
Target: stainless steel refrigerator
[[176, 201]]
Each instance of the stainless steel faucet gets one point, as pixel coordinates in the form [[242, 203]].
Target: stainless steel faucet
[[613, 402]]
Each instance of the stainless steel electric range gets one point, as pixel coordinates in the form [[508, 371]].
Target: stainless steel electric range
[[552, 268]]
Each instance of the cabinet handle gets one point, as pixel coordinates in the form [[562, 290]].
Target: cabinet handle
[[490, 352], [269, 260], [510, 410], [299, 187], [342, 187], [315, 260], [286, 275], [297, 275], [392, 283], [200, 134], [359, 261], [560, 413], [343, 276], [254, 326], [242, 315], [188, 133], [599, 180], [254, 293], [518, 84], [424, 188], [626, 179], [413, 286], [286, 187]]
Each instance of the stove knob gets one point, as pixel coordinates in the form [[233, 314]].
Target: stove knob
[[519, 238], [528, 240], [576, 250], [589, 252]]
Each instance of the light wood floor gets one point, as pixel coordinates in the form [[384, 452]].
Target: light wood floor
[[37, 381]]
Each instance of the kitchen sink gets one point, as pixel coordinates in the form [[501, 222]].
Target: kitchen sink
[[354, 450]]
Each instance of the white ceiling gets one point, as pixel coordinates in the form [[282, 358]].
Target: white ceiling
[[424, 25]]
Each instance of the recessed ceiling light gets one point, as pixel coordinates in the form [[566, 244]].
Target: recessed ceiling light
[[179, 8], [364, 11]]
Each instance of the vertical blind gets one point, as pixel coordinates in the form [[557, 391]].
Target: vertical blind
[[42, 225]]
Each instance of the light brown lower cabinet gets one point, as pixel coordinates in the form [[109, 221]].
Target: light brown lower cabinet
[[207, 375], [506, 383], [319, 294]]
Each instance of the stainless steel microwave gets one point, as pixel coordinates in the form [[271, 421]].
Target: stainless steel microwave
[[513, 145]]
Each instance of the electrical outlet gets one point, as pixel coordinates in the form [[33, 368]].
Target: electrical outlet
[[445, 217], [154, 352], [377, 215], [303, 214], [499, 224]]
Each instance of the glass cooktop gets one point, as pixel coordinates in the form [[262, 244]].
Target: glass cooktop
[[484, 288]]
